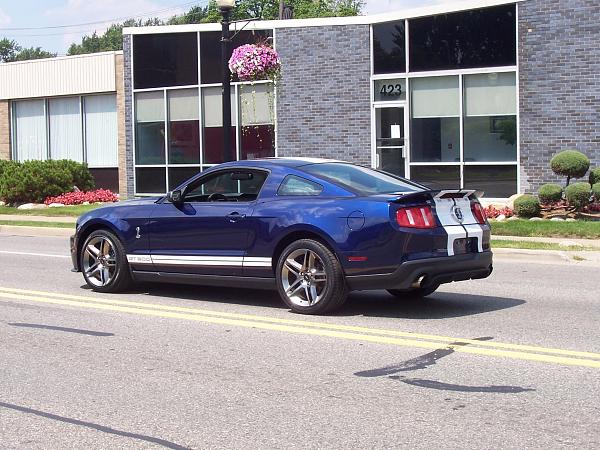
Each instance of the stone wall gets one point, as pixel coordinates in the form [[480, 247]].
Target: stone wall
[[559, 65], [128, 123], [4, 129], [323, 105]]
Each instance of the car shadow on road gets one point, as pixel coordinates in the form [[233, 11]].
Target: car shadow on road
[[440, 305]]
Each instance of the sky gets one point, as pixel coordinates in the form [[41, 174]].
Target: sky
[[90, 15]]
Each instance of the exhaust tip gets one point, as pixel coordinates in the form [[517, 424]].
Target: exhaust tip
[[418, 282]]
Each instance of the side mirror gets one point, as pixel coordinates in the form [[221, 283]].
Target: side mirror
[[175, 196]]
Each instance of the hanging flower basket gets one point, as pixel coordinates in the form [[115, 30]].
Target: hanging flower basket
[[252, 62]]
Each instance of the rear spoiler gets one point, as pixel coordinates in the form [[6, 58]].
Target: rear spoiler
[[423, 196]]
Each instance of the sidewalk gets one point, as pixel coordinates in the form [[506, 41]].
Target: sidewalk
[[566, 241], [19, 217]]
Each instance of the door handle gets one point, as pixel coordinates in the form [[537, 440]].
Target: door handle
[[235, 216]]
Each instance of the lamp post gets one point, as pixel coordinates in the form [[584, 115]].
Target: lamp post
[[225, 7]]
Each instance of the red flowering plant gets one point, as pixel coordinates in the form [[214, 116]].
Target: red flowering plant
[[79, 197], [491, 212]]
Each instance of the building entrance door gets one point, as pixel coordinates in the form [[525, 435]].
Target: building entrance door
[[390, 139]]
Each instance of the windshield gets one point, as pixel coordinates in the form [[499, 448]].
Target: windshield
[[361, 180]]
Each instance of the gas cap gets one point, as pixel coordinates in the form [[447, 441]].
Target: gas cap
[[356, 220]]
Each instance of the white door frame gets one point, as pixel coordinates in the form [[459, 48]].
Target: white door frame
[[406, 150]]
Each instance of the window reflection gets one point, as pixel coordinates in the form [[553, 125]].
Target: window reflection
[[389, 50]]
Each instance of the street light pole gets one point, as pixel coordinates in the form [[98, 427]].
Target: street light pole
[[225, 7]]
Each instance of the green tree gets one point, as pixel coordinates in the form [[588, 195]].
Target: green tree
[[8, 50], [33, 53]]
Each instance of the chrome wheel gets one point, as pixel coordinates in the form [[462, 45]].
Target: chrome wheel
[[303, 277], [99, 261]]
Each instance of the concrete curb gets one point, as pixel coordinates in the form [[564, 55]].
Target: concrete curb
[[589, 258], [15, 230]]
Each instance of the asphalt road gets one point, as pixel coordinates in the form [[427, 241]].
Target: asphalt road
[[512, 361]]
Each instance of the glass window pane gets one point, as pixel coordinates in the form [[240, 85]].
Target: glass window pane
[[183, 104], [30, 130], [66, 136], [184, 142], [477, 38], [150, 143], [490, 94], [435, 139], [257, 104], [495, 181], [178, 175], [389, 90], [436, 177], [389, 50], [210, 51], [435, 97], [293, 185], [390, 127], [101, 130], [212, 103], [490, 138], [150, 180], [258, 141], [149, 106], [165, 60]]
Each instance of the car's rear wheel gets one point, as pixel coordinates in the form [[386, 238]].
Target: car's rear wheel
[[104, 263], [310, 279], [414, 293]]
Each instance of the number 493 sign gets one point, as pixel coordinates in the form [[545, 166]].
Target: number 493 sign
[[390, 90]]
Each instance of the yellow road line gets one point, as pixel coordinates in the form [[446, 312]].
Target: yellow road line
[[312, 324], [309, 331]]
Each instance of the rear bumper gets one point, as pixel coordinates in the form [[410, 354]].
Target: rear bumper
[[435, 270], [73, 248]]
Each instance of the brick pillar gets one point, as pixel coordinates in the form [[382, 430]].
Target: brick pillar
[[121, 125], [4, 130]]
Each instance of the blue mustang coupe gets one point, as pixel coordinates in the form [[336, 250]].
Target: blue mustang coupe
[[313, 229]]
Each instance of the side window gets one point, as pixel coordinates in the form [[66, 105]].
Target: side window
[[232, 185], [293, 185]]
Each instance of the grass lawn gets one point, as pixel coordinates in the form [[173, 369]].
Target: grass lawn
[[546, 228], [66, 211], [30, 223], [532, 245]]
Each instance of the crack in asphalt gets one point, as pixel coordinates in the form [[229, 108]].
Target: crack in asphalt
[[55, 328], [95, 426]]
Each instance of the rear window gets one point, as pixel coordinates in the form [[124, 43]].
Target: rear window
[[293, 185], [361, 180]]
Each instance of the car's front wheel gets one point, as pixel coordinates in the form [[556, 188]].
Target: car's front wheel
[[310, 279], [104, 263]]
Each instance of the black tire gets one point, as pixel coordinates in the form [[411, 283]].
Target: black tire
[[413, 293], [119, 275], [329, 294]]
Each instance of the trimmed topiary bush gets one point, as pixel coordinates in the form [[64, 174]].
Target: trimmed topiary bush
[[570, 164], [527, 206], [595, 176], [549, 193], [596, 192], [33, 181], [578, 195]]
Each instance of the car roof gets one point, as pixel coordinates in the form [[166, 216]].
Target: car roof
[[280, 161]]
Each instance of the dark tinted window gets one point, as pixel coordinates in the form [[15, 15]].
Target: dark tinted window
[[360, 179], [293, 185], [210, 51], [494, 181], [389, 55], [478, 38], [165, 60], [232, 185], [437, 177]]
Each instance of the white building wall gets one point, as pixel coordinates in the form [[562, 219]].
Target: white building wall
[[70, 75]]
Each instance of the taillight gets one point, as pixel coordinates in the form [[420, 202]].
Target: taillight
[[415, 217], [478, 213]]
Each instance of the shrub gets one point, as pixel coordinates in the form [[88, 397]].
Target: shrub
[[571, 164], [491, 212], [549, 193], [527, 206], [80, 174], [77, 198], [33, 181], [578, 195], [596, 191], [595, 176]]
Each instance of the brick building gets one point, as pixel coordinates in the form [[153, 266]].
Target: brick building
[[477, 94]]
